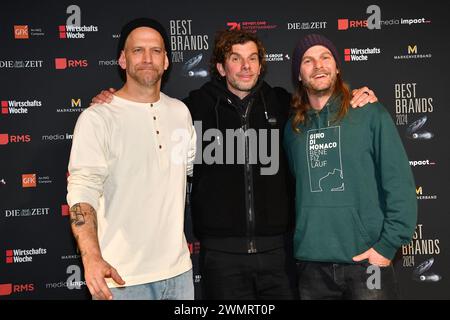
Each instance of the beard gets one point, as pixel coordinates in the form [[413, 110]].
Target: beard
[[245, 87], [320, 87], [145, 75]]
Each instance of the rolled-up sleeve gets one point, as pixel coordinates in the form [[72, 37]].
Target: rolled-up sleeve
[[88, 167]]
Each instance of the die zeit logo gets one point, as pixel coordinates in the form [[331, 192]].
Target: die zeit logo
[[64, 63]]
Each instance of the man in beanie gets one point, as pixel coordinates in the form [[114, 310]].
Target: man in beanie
[[126, 188], [355, 193], [243, 218]]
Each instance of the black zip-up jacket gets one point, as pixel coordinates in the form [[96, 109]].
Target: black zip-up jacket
[[234, 207]]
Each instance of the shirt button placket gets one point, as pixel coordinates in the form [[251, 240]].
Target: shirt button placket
[[158, 137]]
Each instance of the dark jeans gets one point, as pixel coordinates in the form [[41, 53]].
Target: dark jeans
[[239, 276], [332, 281]]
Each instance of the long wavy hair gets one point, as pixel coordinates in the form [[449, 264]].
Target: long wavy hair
[[300, 102]]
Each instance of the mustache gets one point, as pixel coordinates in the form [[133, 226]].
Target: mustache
[[320, 72], [145, 66]]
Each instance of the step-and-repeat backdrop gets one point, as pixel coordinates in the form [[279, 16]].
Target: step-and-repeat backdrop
[[56, 55]]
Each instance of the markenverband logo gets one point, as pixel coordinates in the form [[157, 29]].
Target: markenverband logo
[[413, 53], [421, 195], [75, 106]]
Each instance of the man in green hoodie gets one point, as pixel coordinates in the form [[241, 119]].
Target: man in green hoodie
[[355, 193]]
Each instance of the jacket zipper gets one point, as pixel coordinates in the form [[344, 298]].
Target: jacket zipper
[[251, 246], [249, 204]]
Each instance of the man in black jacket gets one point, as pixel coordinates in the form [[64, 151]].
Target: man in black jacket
[[242, 214], [242, 209]]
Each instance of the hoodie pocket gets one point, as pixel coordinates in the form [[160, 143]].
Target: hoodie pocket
[[333, 234]]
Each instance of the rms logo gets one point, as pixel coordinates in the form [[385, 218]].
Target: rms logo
[[6, 138], [7, 289], [64, 63], [345, 24]]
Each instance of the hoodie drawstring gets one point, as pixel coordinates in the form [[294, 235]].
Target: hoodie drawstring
[[217, 118], [327, 117]]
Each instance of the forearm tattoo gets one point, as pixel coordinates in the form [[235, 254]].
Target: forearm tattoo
[[76, 215]]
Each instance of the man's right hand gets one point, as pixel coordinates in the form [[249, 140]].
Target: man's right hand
[[95, 271], [103, 97]]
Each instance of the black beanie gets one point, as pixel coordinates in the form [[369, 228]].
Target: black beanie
[[136, 23], [142, 22], [307, 42]]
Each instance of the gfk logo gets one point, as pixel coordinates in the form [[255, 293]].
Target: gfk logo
[[21, 32], [29, 180], [234, 25], [64, 63], [7, 288]]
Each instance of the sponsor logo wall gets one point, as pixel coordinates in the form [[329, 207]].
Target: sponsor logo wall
[[54, 59]]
